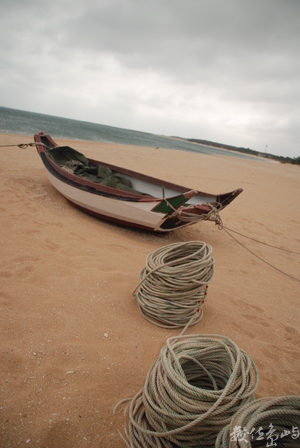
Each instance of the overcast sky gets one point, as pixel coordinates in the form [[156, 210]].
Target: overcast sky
[[221, 70]]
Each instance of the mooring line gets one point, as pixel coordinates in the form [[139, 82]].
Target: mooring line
[[262, 242], [260, 258]]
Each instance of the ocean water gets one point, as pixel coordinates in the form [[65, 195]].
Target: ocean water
[[29, 123]]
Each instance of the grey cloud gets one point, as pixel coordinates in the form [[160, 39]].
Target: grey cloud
[[195, 61]]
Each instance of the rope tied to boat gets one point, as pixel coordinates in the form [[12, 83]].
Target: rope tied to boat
[[173, 285], [25, 145], [264, 422], [191, 392], [213, 215]]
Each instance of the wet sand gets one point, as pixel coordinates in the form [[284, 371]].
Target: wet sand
[[67, 281]]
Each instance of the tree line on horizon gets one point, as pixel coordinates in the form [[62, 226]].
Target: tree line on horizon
[[294, 160]]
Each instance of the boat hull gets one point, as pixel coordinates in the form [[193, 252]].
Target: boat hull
[[135, 214]]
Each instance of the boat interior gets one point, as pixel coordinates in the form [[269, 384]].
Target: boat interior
[[76, 163]]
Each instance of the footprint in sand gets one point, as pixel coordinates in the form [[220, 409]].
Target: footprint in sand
[[6, 274], [32, 232], [77, 236], [24, 272], [20, 272], [54, 247], [292, 335], [241, 329], [254, 318], [118, 246], [5, 299], [26, 258], [249, 306]]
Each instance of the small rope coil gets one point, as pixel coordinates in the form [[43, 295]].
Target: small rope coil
[[174, 284], [264, 422], [191, 392]]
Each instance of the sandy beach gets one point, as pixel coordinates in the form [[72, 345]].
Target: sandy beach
[[73, 342]]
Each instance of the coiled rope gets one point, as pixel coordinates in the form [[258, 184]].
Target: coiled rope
[[174, 284], [191, 392], [264, 422]]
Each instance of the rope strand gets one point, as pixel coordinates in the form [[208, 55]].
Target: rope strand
[[257, 256], [261, 242], [25, 145]]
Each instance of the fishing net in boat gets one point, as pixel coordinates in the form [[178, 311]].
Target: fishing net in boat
[[76, 163]]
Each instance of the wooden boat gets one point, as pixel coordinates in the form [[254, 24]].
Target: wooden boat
[[123, 196]]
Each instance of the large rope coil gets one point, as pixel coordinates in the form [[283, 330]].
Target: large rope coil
[[272, 421], [174, 283], [191, 392]]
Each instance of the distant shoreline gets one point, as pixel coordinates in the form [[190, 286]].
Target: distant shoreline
[[246, 151]]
